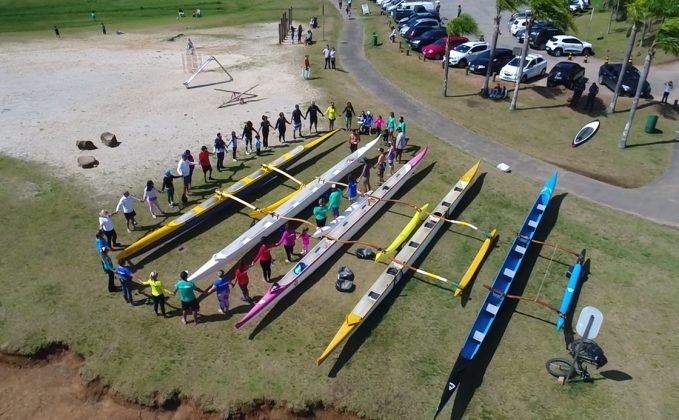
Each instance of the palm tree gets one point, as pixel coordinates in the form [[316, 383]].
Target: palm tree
[[461, 25], [500, 6], [554, 10], [668, 41]]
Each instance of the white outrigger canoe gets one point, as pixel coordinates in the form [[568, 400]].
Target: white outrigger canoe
[[341, 229], [311, 192], [393, 274]]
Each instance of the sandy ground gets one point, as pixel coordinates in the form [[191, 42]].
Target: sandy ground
[[58, 91]]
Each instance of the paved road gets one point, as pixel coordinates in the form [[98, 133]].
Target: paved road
[[658, 202]]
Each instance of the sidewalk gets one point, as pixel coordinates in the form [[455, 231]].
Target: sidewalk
[[658, 202]]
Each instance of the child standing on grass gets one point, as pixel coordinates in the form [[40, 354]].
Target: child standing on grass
[[157, 293], [352, 189], [258, 145], [168, 186], [222, 285], [242, 278], [151, 197], [306, 239], [233, 144]]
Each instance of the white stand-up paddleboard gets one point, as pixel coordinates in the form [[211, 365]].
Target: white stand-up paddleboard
[[585, 133]]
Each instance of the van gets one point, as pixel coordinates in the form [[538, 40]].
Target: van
[[429, 6]]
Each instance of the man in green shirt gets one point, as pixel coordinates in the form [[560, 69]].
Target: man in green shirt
[[321, 213], [334, 201], [187, 296]]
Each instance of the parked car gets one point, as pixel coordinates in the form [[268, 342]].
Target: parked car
[[539, 39], [399, 14], [568, 44], [421, 29], [437, 50], [520, 35], [428, 22], [525, 14], [608, 76], [518, 24], [416, 16], [565, 73], [426, 38], [461, 55], [578, 5], [502, 56], [534, 65]]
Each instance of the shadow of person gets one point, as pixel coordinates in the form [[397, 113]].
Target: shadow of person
[[473, 375]]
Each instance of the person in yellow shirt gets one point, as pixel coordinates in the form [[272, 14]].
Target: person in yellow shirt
[[157, 293], [331, 114]]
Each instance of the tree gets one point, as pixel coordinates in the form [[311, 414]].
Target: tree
[[668, 41], [553, 10], [500, 6], [461, 25]]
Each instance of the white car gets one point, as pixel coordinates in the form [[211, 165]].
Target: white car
[[519, 15], [463, 54], [518, 24], [535, 65], [568, 44]]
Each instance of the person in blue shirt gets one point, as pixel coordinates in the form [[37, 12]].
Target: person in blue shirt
[[222, 285], [100, 241], [126, 278], [352, 189]]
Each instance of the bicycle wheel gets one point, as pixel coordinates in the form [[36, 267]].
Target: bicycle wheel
[[559, 367]]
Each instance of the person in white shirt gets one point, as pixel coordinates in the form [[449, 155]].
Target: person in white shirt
[[400, 144], [106, 225], [126, 203], [184, 169], [326, 55], [667, 89]]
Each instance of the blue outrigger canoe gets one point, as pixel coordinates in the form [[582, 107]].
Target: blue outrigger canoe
[[573, 280], [496, 295]]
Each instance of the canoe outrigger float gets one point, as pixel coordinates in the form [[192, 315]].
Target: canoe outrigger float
[[476, 263], [272, 222], [341, 230], [497, 293], [418, 217], [573, 280], [393, 274], [217, 202]]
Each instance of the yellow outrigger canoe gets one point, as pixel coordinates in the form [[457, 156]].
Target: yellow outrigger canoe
[[418, 217], [217, 202]]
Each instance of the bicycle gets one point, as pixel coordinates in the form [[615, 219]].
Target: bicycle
[[590, 353]]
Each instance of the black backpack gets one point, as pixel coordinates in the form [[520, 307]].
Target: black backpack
[[345, 280], [365, 254]]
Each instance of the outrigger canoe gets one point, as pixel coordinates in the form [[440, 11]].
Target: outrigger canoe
[[386, 282], [476, 263], [217, 202], [496, 295], [311, 192], [573, 280], [417, 219], [341, 229]]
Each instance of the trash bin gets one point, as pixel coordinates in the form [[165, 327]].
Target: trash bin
[[651, 122], [374, 39]]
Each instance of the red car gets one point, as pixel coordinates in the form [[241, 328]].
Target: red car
[[437, 50]]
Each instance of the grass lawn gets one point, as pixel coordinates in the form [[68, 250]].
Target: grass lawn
[[397, 363], [543, 125]]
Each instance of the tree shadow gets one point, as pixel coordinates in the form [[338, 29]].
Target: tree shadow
[[364, 330], [653, 143], [295, 294], [472, 378]]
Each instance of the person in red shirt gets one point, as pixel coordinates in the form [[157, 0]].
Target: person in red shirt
[[265, 259], [241, 277], [204, 160]]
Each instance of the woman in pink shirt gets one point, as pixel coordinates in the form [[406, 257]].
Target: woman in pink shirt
[[379, 123], [264, 258], [288, 241]]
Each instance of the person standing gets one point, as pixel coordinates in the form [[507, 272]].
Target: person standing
[[392, 35], [126, 203], [297, 122], [381, 164], [391, 158], [365, 175], [333, 53], [340, 4], [312, 112], [219, 150], [349, 113], [292, 34], [280, 126], [100, 241], [192, 165], [264, 257], [459, 10], [334, 201], [591, 95], [306, 240], [331, 114], [258, 145], [184, 170], [326, 55], [391, 127], [306, 73], [187, 297], [233, 144], [352, 189], [264, 127], [288, 239], [243, 279], [667, 89], [299, 34], [126, 278], [103, 28], [354, 139], [379, 123], [107, 266], [578, 89], [221, 285], [204, 160], [400, 144], [157, 293], [168, 186], [321, 213], [106, 226], [247, 136], [56, 31], [151, 197], [402, 125]]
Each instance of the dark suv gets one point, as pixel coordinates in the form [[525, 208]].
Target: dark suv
[[608, 76], [480, 64], [565, 73]]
